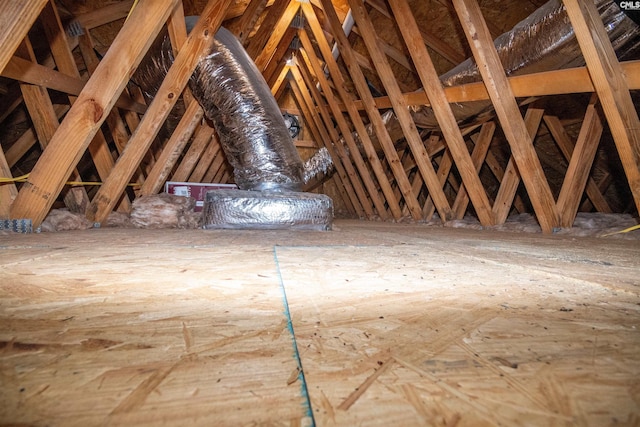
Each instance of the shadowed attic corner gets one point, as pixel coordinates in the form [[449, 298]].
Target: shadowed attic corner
[[550, 140]]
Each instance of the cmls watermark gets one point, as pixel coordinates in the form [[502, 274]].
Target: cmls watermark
[[629, 5]]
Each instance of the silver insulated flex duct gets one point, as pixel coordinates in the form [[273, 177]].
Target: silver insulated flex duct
[[543, 41], [234, 95], [267, 167]]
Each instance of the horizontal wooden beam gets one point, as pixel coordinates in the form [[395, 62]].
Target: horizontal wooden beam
[[304, 143], [558, 82], [29, 72]]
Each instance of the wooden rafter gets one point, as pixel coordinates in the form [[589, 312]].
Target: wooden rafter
[[278, 57], [277, 34], [45, 124], [256, 43], [197, 45], [356, 120], [173, 149], [401, 110], [8, 191], [444, 114], [328, 134], [243, 26], [16, 19], [355, 179], [611, 87], [508, 113], [89, 112], [104, 15], [512, 177], [478, 156], [376, 121], [376, 177], [212, 152], [98, 148], [430, 39], [304, 96], [579, 167], [566, 146]]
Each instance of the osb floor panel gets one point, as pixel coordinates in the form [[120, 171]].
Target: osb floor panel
[[391, 325]]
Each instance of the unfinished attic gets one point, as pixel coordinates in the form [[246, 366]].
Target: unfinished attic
[[319, 212]]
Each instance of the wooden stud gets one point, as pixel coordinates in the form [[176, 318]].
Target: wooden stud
[[213, 151], [356, 120], [196, 148], [196, 46], [507, 110], [579, 167], [173, 149], [480, 151], [566, 146], [402, 112], [611, 87], [442, 110], [511, 178]]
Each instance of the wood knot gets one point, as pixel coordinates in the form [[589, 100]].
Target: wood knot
[[97, 109]]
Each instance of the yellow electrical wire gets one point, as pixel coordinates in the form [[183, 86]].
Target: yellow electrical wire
[[626, 230], [23, 178], [131, 10]]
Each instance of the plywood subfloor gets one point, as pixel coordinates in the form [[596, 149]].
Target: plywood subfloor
[[371, 324]]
